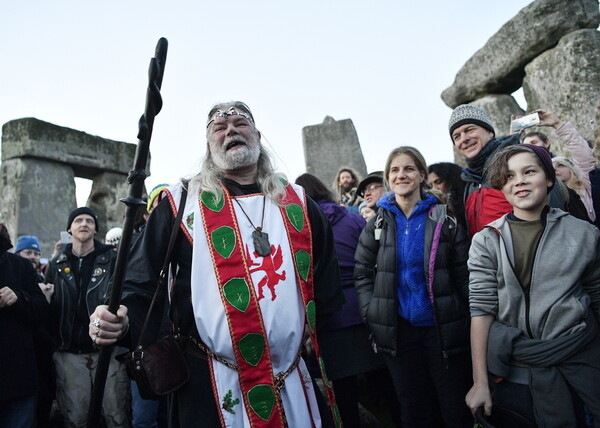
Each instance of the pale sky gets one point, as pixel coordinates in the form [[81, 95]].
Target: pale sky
[[383, 64]]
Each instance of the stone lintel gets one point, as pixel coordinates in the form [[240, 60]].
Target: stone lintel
[[89, 155]]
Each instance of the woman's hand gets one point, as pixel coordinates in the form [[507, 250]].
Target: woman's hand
[[105, 327], [547, 118]]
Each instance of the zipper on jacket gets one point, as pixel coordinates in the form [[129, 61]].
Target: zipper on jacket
[[384, 233], [527, 308], [526, 293], [438, 328], [528, 297]]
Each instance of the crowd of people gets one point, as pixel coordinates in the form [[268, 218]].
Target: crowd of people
[[461, 294]]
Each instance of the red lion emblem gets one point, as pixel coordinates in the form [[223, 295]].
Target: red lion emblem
[[270, 264]]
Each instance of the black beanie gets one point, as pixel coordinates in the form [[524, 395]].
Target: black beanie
[[79, 211]]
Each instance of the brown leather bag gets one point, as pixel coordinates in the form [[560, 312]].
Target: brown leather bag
[[159, 369]]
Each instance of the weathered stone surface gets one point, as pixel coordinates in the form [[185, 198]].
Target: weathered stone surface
[[39, 163], [37, 197], [566, 80], [31, 137], [500, 108], [106, 191], [498, 67], [329, 146]]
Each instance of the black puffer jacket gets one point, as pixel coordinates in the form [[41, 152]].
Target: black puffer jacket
[[376, 283]]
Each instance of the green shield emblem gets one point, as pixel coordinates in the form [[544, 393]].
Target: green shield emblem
[[311, 315], [213, 202], [262, 401], [252, 347], [302, 259], [237, 293], [223, 239], [295, 215]]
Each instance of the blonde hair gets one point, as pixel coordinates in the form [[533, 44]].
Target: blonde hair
[[576, 182]]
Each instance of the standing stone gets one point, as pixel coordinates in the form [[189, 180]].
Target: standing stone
[[37, 197], [331, 145], [107, 189], [500, 108], [566, 81], [39, 163], [498, 67]]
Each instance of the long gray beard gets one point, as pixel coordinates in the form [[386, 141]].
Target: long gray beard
[[239, 158]]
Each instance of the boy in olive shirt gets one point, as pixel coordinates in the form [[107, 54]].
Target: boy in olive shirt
[[534, 289]]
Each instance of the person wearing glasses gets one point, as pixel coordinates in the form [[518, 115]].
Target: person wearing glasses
[[371, 189]]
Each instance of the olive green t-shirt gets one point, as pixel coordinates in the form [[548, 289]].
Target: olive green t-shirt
[[525, 237]]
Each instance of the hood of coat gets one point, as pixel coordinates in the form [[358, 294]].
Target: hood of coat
[[332, 211]]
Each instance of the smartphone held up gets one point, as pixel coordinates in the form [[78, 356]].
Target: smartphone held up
[[524, 122]]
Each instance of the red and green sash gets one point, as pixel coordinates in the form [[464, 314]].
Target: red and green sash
[[261, 399], [298, 229]]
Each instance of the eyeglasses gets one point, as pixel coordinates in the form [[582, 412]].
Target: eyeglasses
[[373, 187], [30, 253]]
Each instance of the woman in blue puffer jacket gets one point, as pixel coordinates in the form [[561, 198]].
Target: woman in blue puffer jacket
[[412, 280]]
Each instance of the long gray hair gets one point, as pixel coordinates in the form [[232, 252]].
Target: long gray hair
[[209, 178]]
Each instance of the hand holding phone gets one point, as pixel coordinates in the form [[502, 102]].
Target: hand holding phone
[[524, 122]]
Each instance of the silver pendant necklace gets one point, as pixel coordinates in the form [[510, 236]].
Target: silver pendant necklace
[[262, 246]]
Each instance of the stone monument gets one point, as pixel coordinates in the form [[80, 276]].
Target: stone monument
[[40, 161], [331, 145], [551, 48]]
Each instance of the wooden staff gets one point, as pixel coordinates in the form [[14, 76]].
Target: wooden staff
[[133, 201]]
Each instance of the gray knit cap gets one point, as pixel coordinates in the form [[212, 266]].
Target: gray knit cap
[[467, 113]]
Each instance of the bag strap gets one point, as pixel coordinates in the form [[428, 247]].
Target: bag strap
[[164, 272]]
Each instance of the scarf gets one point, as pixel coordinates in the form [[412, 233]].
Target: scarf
[[477, 165]]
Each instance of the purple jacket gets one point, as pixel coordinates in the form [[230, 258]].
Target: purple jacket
[[346, 227]]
